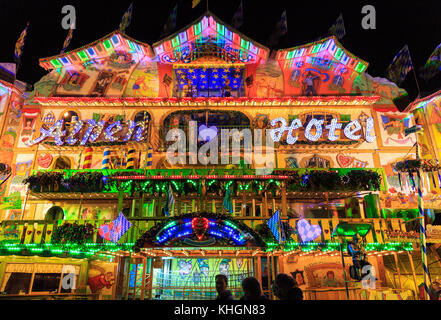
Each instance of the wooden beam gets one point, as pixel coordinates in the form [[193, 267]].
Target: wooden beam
[[409, 255], [398, 269]]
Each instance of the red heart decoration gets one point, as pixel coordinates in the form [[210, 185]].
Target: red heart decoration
[[38, 232], [45, 160], [326, 231], [29, 232], [48, 232], [24, 139], [344, 161]]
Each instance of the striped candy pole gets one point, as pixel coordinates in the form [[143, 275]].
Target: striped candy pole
[[131, 159], [423, 238], [106, 159], [124, 162], [149, 162], [88, 158], [422, 227]]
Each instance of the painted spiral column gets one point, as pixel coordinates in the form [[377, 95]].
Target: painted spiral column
[[131, 159], [88, 158], [423, 237], [106, 159], [149, 162]]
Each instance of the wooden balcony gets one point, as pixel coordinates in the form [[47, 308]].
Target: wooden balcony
[[40, 231]]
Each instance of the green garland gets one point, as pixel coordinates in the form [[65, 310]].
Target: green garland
[[73, 233], [407, 166], [95, 181]]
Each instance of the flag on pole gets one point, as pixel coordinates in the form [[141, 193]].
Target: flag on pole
[[126, 19], [114, 230], [237, 20], [400, 66], [171, 22], [338, 28], [228, 204], [276, 227], [169, 202], [433, 64], [18, 52], [68, 38], [195, 3], [280, 30]]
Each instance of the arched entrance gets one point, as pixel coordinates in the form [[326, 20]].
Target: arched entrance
[[186, 252]]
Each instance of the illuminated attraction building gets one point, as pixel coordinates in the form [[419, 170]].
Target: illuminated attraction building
[[92, 141]]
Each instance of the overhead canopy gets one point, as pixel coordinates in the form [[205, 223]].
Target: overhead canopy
[[325, 53], [184, 45], [104, 47]]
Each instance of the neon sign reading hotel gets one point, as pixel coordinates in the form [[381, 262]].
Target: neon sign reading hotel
[[352, 130]]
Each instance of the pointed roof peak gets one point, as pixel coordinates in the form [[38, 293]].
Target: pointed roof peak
[[209, 27], [102, 47]]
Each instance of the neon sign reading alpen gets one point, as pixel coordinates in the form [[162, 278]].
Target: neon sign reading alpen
[[350, 130], [93, 130]]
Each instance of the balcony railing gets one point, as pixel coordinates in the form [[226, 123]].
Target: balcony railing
[[40, 231]]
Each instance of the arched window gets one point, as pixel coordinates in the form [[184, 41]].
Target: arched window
[[54, 213], [62, 163]]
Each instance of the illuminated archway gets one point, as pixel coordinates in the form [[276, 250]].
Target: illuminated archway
[[200, 230]]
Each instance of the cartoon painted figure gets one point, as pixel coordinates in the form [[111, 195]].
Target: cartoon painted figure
[[101, 280], [309, 81], [204, 267], [224, 267], [184, 268], [330, 280]]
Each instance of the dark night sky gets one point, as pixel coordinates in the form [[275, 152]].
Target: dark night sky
[[398, 23]]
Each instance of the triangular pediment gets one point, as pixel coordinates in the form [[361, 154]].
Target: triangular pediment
[[209, 30], [109, 45]]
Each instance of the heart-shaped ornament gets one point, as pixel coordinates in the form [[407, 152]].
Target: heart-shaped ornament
[[344, 161], [207, 133], [307, 231], [45, 160]]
